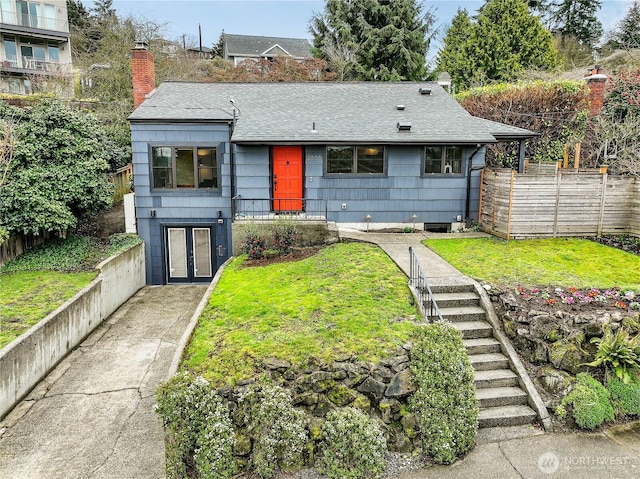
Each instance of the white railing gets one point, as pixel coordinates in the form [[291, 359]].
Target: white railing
[[34, 21]]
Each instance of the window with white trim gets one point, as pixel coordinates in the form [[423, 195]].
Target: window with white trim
[[184, 167], [359, 160], [443, 160]]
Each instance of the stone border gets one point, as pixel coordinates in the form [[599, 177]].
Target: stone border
[[25, 361]]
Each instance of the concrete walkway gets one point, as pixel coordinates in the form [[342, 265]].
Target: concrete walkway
[[92, 417], [396, 245]]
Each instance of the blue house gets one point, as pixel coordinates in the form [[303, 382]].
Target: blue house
[[357, 154]]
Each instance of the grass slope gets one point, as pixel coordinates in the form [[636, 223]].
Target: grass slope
[[26, 298], [559, 262], [348, 300]]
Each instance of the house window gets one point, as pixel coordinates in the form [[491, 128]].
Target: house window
[[443, 160], [184, 167], [361, 160]]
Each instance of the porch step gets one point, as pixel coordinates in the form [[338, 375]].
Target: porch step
[[481, 346], [463, 313], [496, 378], [474, 329], [452, 300], [486, 362], [450, 288], [506, 416], [505, 396]]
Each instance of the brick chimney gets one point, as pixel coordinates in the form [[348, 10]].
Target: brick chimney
[[596, 81], [143, 71]]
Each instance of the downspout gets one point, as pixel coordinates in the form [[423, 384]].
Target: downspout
[[470, 168], [232, 166]]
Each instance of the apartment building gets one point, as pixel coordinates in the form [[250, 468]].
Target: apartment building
[[35, 47]]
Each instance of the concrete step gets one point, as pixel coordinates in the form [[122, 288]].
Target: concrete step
[[463, 313], [452, 300], [481, 346], [505, 396], [506, 416], [474, 329], [496, 378], [485, 362], [450, 288]]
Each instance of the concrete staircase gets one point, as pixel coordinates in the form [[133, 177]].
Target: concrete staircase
[[502, 401]]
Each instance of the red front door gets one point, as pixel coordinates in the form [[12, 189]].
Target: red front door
[[287, 178]]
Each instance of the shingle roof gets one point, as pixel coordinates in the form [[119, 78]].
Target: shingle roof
[[250, 45], [505, 132], [349, 112]]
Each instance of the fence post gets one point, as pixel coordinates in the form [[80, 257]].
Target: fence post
[[513, 179], [602, 204], [480, 199], [557, 206]]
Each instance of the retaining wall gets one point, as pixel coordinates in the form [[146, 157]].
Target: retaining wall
[[27, 360]]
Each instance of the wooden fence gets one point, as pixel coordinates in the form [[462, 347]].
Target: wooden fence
[[567, 203], [122, 181], [18, 244]]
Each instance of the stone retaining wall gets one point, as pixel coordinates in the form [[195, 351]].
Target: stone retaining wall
[[379, 390], [27, 360]]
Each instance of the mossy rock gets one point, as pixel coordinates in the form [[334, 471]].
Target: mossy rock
[[242, 445], [341, 395], [362, 402], [315, 428], [509, 328], [568, 354]]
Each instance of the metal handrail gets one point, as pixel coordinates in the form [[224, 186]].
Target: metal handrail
[[418, 280], [298, 209]]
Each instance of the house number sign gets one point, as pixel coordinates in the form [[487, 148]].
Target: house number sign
[[314, 157]]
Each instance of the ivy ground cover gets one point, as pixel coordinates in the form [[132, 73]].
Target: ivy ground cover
[[349, 300], [558, 262]]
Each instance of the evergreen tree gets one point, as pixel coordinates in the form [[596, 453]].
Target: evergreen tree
[[77, 13], [387, 40], [627, 33], [103, 10], [578, 18], [453, 57], [504, 40]]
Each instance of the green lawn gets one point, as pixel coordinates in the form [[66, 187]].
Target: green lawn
[[348, 300], [558, 262], [27, 297], [42, 279]]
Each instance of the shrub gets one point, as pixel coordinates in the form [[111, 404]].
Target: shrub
[[199, 433], [556, 110], [618, 352], [278, 429], [255, 242], [625, 396], [284, 236], [445, 398], [590, 403], [353, 445]]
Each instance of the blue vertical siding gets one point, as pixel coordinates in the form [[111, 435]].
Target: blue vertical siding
[[156, 209], [397, 196]]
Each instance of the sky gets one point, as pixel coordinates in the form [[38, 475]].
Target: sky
[[283, 18]]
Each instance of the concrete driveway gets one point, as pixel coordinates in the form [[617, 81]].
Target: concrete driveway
[[92, 417]]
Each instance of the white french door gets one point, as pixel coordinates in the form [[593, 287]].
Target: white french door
[[189, 254]]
